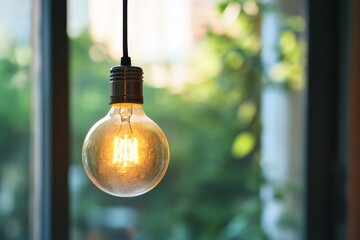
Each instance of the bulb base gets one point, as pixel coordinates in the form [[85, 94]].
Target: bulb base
[[126, 85]]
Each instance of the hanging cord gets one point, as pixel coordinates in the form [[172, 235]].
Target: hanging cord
[[125, 60], [126, 81]]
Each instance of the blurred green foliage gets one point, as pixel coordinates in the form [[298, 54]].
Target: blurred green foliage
[[14, 139], [288, 72], [211, 190]]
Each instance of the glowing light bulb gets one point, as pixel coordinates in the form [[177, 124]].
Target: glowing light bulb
[[125, 154]]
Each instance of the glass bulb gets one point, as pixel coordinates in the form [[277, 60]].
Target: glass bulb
[[125, 154]]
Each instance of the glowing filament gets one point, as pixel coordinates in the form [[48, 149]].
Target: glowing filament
[[126, 150]]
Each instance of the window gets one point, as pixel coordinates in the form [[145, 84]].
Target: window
[[204, 90], [224, 80]]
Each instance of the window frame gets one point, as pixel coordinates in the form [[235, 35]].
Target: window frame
[[329, 161], [353, 210], [49, 217]]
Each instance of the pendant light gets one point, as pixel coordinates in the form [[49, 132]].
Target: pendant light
[[125, 154]]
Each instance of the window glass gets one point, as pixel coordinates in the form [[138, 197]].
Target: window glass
[[209, 67], [14, 117]]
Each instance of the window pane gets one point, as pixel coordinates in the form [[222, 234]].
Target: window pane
[[204, 75], [14, 117]]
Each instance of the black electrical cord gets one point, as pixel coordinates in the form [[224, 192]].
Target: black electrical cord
[[125, 60]]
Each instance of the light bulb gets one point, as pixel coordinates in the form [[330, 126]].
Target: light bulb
[[125, 154]]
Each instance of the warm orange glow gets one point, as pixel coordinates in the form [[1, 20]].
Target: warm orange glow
[[126, 154], [126, 150]]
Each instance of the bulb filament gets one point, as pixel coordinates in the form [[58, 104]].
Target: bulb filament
[[126, 151], [125, 145]]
